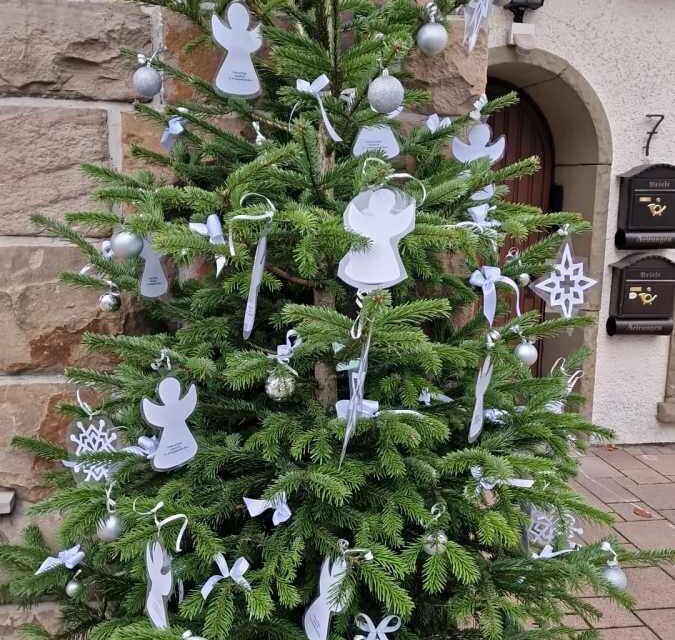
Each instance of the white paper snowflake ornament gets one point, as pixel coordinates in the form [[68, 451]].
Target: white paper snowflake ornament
[[237, 75], [479, 145], [546, 526], [93, 434], [384, 215], [564, 287]]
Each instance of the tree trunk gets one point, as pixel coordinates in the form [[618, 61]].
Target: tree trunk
[[324, 373]]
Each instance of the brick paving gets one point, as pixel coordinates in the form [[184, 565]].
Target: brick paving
[[637, 485]]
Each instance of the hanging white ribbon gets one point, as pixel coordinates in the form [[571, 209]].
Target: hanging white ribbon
[[259, 137], [558, 406], [68, 558], [213, 229], [426, 397], [146, 447], [476, 13], [170, 134], [435, 122], [547, 553], [379, 632], [160, 523], [285, 351], [488, 484], [486, 278], [282, 511], [314, 89], [482, 384], [239, 568], [477, 112]]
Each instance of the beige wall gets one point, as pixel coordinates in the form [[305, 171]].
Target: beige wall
[[617, 55]]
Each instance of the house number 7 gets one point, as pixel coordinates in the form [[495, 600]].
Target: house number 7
[[660, 118]]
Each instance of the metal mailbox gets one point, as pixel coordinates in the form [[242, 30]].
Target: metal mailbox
[[642, 296], [647, 208]]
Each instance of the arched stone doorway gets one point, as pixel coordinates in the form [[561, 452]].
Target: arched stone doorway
[[582, 156]]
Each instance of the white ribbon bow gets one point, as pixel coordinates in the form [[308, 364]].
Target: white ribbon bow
[[476, 114], [548, 553], [282, 511], [68, 558], [482, 384], [379, 632], [213, 229], [435, 122], [486, 278], [146, 447], [239, 568], [488, 484], [314, 89], [173, 129], [285, 351], [426, 397]]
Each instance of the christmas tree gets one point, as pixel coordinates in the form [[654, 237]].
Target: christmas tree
[[327, 430]]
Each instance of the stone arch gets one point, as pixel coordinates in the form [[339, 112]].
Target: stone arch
[[583, 156]]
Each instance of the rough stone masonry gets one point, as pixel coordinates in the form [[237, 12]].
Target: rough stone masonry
[[66, 98]]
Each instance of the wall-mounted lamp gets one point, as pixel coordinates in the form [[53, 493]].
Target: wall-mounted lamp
[[522, 33]]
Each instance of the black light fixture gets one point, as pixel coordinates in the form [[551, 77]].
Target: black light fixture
[[519, 7]]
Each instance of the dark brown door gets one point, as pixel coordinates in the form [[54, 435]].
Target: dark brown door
[[527, 134]]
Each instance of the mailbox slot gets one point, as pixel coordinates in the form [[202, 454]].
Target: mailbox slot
[[647, 208], [643, 287]]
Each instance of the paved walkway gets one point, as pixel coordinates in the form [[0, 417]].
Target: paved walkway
[[636, 484]]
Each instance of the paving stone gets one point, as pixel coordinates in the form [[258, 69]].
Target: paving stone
[[651, 588], [588, 496], [655, 534], [613, 615], [620, 459], [657, 496], [606, 489], [669, 514], [594, 532], [663, 463], [629, 633], [661, 621], [595, 467], [635, 511]]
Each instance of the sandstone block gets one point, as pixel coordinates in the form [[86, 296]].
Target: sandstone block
[[42, 149], [29, 409], [42, 319], [455, 77], [137, 130], [46, 614], [70, 49]]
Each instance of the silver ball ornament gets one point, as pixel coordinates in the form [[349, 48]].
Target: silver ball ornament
[[73, 588], [126, 244], [147, 81], [109, 528], [279, 386], [615, 575], [435, 543], [385, 93], [526, 352], [109, 301], [432, 38], [524, 279]]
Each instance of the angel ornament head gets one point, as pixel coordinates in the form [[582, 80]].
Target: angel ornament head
[[237, 75], [384, 215]]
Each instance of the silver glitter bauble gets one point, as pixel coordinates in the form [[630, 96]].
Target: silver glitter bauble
[[73, 588], [109, 528], [432, 38], [616, 577], [147, 81], [526, 352], [524, 279], [126, 244], [279, 386], [109, 301], [435, 543], [385, 93]]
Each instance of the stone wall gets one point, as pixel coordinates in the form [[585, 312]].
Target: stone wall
[[66, 98]]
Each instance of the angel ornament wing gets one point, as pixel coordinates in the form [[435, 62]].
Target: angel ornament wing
[[177, 445], [160, 583], [384, 216], [237, 75], [316, 620]]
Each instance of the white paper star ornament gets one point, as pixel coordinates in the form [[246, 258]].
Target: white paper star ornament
[[564, 287]]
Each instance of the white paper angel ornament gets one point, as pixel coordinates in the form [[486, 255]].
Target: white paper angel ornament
[[177, 445], [154, 282], [378, 137], [384, 215], [237, 75], [479, 145]]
